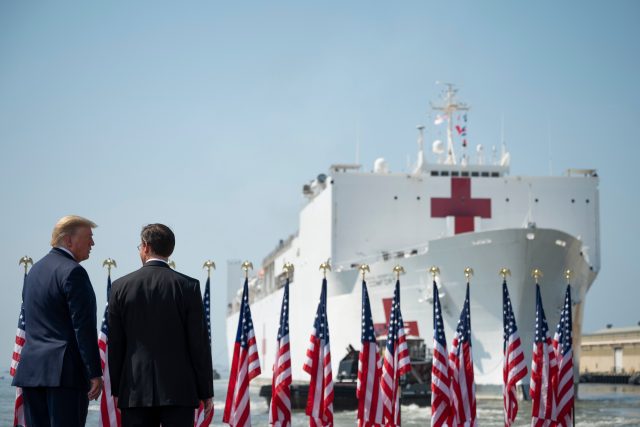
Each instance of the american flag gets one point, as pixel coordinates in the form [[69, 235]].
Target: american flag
[[563, 347], [396, 363], [109, 413], [244, 367], [318, 365], [463, 387], [199, 419], [544, 370], [369, 369], [514, 368], [18, 412], [280, 411], [441, 400]]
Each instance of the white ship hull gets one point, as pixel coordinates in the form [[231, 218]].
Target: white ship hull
[[521, 249]]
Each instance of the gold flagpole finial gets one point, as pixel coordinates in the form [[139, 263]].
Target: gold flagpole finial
[[468, 272], [26, 260], [398, 269], [246, 266], [536, 274], [288, 269], [208, 264], [324, 267], [172, 264], [364, 268], [504, 272], [435, 271], [109, 262], [567, 274]]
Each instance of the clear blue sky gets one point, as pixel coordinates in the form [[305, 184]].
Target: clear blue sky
[[210, 117]]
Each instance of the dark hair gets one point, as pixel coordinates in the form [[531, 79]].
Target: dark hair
[[160, 238]]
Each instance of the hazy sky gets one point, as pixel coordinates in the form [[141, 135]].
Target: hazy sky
[[210, 116]]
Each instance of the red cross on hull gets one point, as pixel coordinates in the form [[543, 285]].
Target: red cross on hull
[[410, 326], [461, 206]]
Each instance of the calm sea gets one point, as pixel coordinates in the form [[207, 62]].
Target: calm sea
[[599, 405]]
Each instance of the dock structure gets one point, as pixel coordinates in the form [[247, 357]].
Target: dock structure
[[610, 355]]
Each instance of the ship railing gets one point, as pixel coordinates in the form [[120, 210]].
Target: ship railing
[[282, 245], [582, 172], [406, 252]]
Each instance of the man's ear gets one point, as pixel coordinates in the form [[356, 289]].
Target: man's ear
[[66, 241]]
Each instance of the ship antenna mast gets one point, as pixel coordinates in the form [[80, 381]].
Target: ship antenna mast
[[448, 109], [420, 164]]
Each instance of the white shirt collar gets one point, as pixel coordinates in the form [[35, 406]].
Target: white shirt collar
[[157, 259]]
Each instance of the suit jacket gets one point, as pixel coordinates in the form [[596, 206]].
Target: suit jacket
[[159, 352], [61, 346]]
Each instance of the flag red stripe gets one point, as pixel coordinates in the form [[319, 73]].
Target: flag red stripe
[[280, 414]]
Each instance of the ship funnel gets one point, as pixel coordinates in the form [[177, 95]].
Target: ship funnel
[[420, 164]]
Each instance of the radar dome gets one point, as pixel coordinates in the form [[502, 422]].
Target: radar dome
[[380, 166], [437, 147]]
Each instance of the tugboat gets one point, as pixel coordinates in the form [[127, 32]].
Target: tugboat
[[415, 386]]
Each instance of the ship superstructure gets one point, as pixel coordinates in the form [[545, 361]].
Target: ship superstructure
[[452, 213]]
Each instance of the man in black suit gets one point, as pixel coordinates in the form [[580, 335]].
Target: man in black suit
[[159, 353], [59, 369]]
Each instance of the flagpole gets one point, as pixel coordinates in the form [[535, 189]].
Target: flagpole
[[324, 267], [504, 272], [468, 273], [245, 365], [109, 262], [398, 269], [364, 268], [26, 260], [434, 272], [567, 275], [536, 273], [18, 408], [109, 412], [288, 269], [246, 266], [208, 264]]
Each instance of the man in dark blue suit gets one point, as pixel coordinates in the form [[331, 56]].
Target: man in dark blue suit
[[59, 369]]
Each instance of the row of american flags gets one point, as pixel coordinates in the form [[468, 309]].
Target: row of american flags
[[378, 381], [453, 401]]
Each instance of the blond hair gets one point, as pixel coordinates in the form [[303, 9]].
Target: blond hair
[[67, 226]]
